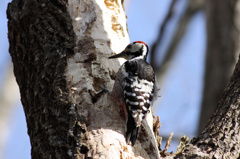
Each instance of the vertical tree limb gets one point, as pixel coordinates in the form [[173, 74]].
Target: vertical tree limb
[[160, 34], [220, 138], [222, 49]]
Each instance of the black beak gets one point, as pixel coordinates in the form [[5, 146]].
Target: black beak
[[120, 55]]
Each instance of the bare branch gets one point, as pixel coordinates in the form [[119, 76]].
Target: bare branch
[[192, 8], [160, 34]]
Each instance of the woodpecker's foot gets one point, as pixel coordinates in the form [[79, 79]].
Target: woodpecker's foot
[[104, 89], [96, 96]]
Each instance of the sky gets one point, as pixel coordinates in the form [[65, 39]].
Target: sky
[[181, 89]]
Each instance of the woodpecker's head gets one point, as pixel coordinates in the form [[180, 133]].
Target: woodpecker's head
[[134, 50]]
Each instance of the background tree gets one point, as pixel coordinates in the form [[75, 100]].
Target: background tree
[[222, 52]]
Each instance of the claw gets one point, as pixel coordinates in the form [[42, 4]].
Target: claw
[[104, 89]]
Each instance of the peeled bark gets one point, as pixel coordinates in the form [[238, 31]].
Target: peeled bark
[[59, 51]]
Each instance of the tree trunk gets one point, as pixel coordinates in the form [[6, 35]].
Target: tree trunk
[[59, 50], [221, 136], [222, 50]]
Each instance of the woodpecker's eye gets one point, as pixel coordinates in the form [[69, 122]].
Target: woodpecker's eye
[[129, 46]]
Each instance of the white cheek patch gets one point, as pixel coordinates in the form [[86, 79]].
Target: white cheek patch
[[144, 51]]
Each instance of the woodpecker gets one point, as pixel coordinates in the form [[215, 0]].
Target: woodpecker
[[134, 86]]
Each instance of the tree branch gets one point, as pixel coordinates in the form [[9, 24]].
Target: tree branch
[[192, 8], [160, 34]]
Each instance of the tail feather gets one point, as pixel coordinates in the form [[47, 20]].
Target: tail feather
[[132, 130]]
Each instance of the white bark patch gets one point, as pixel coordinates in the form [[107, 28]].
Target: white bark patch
[[82, 14], [100, 28]]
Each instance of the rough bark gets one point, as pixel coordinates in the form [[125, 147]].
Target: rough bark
[[40, 42], [222, 50], [221, 136], [59, 51]]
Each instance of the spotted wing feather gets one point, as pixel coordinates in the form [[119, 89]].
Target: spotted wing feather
[[138, 94]]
